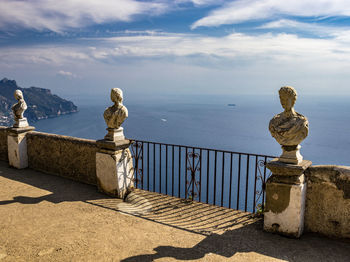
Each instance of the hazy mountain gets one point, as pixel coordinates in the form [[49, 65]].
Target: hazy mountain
[[41, 103]]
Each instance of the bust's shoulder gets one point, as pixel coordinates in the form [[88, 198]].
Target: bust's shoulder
[[276, 118], [108, 109], [301, 117], [123, 109]]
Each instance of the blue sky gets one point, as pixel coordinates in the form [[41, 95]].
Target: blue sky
[[177, 47]]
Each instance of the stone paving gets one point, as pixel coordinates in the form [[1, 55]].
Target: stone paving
[[49, 218]]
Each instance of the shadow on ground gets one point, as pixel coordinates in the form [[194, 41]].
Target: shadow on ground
[[190, 216], [61, 189], [193, 217], [251, 239]]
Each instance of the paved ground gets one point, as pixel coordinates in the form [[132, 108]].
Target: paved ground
[[48, 218]]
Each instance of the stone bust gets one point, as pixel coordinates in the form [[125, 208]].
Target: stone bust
[[289, 128], [18, 110], [116, 114]]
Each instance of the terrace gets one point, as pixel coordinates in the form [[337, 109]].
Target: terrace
[[49, 218], [167, 201]]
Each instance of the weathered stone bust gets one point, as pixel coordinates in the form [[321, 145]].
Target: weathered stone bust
[[115, 116], [18, 110], [289, 128]]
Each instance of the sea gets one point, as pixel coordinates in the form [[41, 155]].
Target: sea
[[228, 122]]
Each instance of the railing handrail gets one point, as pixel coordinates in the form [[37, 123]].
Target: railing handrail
[[203, 148]]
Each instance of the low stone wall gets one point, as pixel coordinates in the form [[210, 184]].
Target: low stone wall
[[328, 200], [3, 143], [70, 157]]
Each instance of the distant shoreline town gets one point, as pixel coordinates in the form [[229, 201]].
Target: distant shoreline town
[[42, 104]]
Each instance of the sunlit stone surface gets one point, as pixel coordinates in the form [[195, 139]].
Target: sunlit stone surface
[[115, 116], [289, 128], [18, 110], [114, 168]]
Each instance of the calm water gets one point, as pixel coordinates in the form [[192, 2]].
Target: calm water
[[210, 122]]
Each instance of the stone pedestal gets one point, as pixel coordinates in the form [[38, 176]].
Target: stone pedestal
[[285, 198], [115, 134], [21, 123], [17, 146], [114, 168], [291, 155]]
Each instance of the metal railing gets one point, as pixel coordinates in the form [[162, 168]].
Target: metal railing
[[224, 178]]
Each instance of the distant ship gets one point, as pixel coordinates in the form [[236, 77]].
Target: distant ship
[[231, 104]]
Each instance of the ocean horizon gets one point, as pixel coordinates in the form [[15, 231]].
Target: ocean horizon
[[211, 122]]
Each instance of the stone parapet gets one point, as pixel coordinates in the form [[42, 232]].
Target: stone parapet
[[328, 200], [3, 144], [285, 169], [65, 156], [113, 146]]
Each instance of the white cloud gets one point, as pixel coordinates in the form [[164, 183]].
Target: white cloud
[[236, 50], [45, 55], [287, 23], [162, 45], [59, 15], [66, 74], [200, 2], [278, 47], [246, 10], [336, 34], [160, 60], [313, 28]]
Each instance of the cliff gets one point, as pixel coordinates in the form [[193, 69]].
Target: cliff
[[40, 101]]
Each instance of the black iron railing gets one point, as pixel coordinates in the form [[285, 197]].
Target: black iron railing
[[224, 178]]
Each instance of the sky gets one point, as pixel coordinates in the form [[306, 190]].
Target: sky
[[179, 47]]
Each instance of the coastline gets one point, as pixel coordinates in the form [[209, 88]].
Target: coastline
[[8, 120]]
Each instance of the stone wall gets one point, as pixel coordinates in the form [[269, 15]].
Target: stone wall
[[70, 157], [328, 200], [3, 143]]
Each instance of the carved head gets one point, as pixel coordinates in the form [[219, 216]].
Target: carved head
[[18, 94], [116, 95], [288, 96]]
